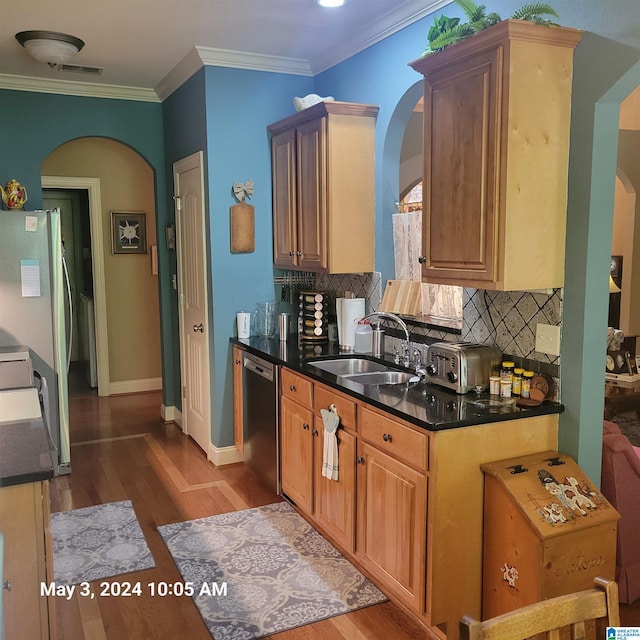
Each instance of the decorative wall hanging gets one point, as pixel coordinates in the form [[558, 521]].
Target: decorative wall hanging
[[242, 219], [14, 195], [128, 232]]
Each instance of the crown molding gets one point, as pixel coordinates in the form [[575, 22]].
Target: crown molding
[[207, 56], [72, 88], [370, 35]]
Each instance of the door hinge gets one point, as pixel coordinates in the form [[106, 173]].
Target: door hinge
[[178, 203], [184, 391]]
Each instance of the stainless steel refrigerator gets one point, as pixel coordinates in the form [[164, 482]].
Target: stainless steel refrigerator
[[33, 295]]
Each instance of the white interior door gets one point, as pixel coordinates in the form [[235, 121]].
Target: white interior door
[[192, 295]]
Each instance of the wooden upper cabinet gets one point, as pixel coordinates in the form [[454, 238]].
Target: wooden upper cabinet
[[323, 188], [497, 112], [283, 154]]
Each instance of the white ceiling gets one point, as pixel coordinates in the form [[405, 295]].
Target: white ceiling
[[143, 43]]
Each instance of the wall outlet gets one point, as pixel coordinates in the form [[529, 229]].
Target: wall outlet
[[548, 339]]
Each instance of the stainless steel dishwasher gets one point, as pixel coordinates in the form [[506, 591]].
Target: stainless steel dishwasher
[[260, 417]]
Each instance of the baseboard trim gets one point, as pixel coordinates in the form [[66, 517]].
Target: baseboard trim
[[221, 456], [171, 414], [135, 386]]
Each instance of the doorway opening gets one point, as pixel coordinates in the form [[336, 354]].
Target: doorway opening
[[80, 314]]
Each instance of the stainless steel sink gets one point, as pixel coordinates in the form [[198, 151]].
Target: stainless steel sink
[[363, 371], [348, 366], [383, 377]]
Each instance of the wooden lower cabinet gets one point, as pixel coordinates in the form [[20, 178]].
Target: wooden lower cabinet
[[411, 499], [329, 503], [238, 400], [392, 521], [28, 561], [334, 500], [296, 453]]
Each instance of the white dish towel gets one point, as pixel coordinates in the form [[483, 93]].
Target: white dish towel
[[330, 451]]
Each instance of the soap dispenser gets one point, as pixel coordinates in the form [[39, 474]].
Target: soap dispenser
[[378, 341]]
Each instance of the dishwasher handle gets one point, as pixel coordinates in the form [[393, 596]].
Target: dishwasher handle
[[261, 367]]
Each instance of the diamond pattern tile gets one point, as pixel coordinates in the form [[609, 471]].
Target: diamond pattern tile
[[505, 318]]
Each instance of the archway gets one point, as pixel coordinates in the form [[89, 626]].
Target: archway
[[131, 298]]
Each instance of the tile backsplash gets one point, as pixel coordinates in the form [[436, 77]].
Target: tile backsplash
[[363, 285], [506, 319]]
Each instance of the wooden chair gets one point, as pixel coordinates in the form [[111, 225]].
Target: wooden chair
[[550, 616]]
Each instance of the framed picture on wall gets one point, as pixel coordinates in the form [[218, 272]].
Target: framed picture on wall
[[128, 232]]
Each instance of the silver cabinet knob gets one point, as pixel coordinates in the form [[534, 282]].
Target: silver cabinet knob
[[198, 327], [6, 585]]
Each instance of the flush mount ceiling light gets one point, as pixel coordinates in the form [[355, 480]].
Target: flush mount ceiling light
[[50, 46], [330, 3]]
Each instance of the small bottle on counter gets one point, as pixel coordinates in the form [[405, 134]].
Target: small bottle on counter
[[505, 387], [527, 376], [494, 385], [507, 370], [363, 338], [516, 387]]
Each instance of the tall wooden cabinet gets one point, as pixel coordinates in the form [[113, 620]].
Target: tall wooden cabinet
[[28, 561], [497, 110], [323, 188]]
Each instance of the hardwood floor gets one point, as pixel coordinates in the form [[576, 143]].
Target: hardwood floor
[[122, 450]]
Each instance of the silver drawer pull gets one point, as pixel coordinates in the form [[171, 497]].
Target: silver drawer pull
[[386, 437], [6, 585]]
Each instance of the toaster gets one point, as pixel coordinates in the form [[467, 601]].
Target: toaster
[[461, 366]]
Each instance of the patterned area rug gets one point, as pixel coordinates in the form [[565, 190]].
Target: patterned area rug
[[98, 542], [264, 570]]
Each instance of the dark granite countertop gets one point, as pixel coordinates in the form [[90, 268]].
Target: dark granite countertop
[[425, 405], [24, 453]]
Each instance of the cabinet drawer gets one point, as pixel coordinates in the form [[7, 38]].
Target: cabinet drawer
[[324, 396], [296, 387], [398, 440]]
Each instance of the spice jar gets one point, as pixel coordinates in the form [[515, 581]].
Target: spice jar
[[517, 381], [507, 370], [527, 376]]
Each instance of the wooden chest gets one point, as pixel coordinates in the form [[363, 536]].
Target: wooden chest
[[547, 531]]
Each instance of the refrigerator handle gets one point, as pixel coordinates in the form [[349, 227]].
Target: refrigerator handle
[[66, 278]]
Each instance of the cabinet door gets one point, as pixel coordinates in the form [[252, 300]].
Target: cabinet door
[[312, 188], [461, 171], [238, 424], [283, 159], [22, 522], [296, 457], [392, 513], [334, 500]]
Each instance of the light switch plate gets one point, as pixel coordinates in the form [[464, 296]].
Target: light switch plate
[[548, 339]]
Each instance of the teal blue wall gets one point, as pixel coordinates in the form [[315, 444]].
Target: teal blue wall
[[33, 124], [225, 113], [240, 105], [185, 132]]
